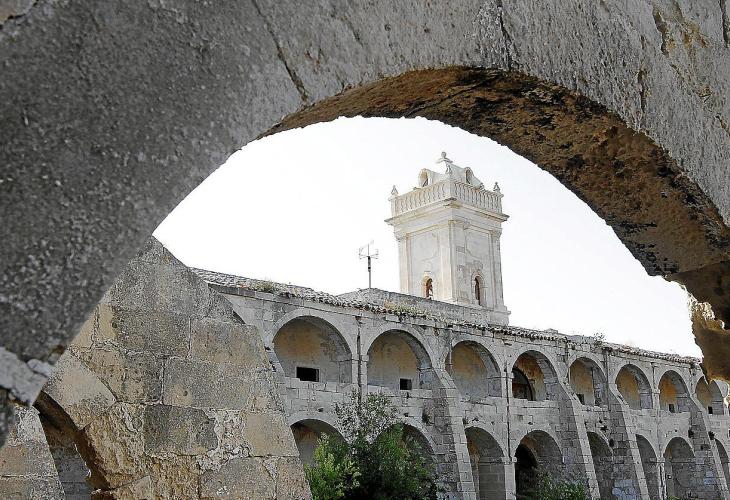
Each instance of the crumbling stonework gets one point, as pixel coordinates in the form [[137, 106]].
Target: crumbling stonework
[[607, 415], [165, 393]]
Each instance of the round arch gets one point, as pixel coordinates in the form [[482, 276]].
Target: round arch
[[487, 463], [420, 437], [307, 433], [474, 370], [588, 382], [399, 361], [312, 349], [674, 396], [679, 468], [710, 397], [328, 321], [602, 463], [668, 211], [537, 450], [540, 374], [634, 387], [650, 466]]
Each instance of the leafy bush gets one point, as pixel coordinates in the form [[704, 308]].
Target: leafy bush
[[550, 488], [377, 460]]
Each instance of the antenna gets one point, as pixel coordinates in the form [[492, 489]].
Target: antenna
[[364, 253]]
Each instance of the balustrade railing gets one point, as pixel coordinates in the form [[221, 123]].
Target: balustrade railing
[[446, 190]]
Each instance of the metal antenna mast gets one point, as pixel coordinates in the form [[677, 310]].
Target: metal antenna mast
[[364, 253]]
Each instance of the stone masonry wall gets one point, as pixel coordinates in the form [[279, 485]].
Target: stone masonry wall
[[616, 451], [167, 394]]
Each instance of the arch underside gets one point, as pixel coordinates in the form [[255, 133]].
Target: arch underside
[[115, 183]]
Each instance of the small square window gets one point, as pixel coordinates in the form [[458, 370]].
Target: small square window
[[307, 374], [406, 384], [671, 407], [709, 410], [581, 398]]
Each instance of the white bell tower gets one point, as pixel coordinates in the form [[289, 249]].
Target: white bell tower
[[448, 231]]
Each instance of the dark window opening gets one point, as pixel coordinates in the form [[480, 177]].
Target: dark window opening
[[406, 384], [307, 374], [709, 410], [671, 408], [478, 290], [429, 288], [581, 398], [521, 387]]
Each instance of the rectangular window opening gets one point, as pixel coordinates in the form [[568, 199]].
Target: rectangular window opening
[[671, 407], [709, 410], [582, 399], [406, 384], [308, 374]]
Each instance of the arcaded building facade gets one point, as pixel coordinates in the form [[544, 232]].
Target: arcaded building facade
[[187, 383], [490, 403]]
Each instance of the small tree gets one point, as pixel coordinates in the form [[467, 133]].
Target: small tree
[[376, 460]]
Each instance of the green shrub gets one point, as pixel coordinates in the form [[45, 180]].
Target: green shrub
[[550, 488], [376, 461]]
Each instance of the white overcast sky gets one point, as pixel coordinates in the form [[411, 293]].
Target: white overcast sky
[[295, 207]]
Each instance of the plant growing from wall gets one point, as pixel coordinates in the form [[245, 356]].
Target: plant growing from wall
[[377, 460]]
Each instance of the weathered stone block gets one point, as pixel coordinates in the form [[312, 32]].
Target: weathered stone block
[[239, 478], [290, 481], [117, 438], [268, 435], [206, 385], [227, 342], [159, 332], [182, 431], [78, 390], [131, 376], [30, 488]]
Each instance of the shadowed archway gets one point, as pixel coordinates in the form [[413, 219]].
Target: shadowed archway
[[487, 464]]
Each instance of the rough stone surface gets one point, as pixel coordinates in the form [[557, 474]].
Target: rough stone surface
[[113, 111], [153, 413], [26, 465], [587, 410]]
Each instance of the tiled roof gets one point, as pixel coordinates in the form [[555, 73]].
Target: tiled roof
[[233, 283]]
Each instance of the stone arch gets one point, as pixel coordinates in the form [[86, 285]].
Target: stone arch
[[649, 466], [611, 148], [312, 349], [602, 464], [73, 398], [537, 450], [541, 374], [487, 463], [427, 286], [479, 289], [724, 461], [679, 468], [588, 380], [333, 321], [674, 396], [634, 387], [420, 437], [307, 433], [710, 397], [474, 370], [395, 357]]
